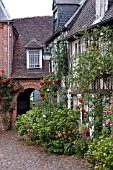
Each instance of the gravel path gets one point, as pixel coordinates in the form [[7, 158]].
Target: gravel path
[[17, 155]]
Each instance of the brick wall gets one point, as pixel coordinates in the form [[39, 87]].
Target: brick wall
[[6, 47]]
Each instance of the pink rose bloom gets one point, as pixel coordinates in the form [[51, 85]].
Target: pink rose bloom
[[111, 101], [84, 135], [104, 111], [110, 112]]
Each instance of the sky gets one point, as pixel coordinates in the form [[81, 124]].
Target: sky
[[28, 8]]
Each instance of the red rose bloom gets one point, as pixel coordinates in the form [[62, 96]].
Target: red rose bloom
[[42, 98], [48, 82], [15, 89], [80, 100], [3, 81], [3, 71], [55, 82], [28, 130], [77, 107], [8, 79], [84, 115], [83, 110], [42, 83]]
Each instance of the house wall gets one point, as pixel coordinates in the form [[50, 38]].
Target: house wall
[[6, 47]]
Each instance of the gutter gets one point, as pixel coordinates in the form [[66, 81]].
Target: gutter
[[8, 50]]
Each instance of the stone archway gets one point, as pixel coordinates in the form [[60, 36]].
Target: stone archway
[[23, 98], [23, 101]]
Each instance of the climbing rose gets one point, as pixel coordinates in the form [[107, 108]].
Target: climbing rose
[[84, 116], [84, 135], [28, 130], [111, 101], [42, 98], [83, 111], [42, 83], [48, 82], [3, 71], [3, 81], [80, 100], [77, 107], [55, 82], [8, 79], [15, 89]]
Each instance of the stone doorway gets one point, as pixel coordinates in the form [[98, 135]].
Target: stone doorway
[[24, 99]]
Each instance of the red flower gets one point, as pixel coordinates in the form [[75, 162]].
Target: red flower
[[55, 82], [8, 79], [49, 72], [24, 126], [77, 107], [2, 71], [27, 134], [41, 94], [80, 100], [41, 83], [1, 98], [22, 91], [3, 81], [59, 135], [28, 130], [84, 116], [15, 89], [0, 77], [48, 82], [39, 90], [42, 98], [83, 110]]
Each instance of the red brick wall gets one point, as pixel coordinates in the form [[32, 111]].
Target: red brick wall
[[4, 46]]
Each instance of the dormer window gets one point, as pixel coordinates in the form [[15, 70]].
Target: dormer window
[[101, 8], [34, 52], [55, 21], [34, 59]]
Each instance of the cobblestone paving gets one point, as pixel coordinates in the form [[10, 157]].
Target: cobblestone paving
[[16, 155]]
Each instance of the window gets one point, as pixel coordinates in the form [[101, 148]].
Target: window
[[34, 59], [55, 21], [101, 8]]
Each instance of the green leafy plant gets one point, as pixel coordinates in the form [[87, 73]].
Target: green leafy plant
[[8, 88]]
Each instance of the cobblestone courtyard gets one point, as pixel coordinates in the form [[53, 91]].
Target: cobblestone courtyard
[[16, 155]]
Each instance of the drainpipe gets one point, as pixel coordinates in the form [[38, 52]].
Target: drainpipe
[[8, 51]]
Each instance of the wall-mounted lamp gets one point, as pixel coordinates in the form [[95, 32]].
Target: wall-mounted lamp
[[47, 55]]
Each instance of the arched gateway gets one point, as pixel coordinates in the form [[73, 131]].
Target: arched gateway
[[22, 101]]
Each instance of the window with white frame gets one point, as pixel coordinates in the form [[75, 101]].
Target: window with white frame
[[101, 8], [34, 59]]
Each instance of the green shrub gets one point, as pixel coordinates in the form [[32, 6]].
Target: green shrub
[[101, 153], [56, 129]]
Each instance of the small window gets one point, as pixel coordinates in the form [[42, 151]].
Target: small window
[[34, 59]]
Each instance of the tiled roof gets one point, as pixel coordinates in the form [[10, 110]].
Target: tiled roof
[[108, 14], [33, 44], [85, 18], [38, 28]]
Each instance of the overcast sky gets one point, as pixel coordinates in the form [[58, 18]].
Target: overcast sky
[[28, 8]]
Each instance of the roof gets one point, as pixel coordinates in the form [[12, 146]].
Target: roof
[[4, 15], [33, 44], [85, 18], [33, 32], [108, 14], [67, 1]]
